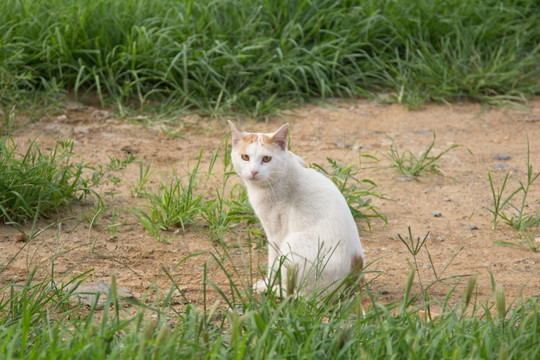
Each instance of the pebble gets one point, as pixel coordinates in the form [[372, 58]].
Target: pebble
[[72, 105], [21, 237], [436, 213], [427, 266], [87, 292], [501, 157], [100, 114], [500, 166], [441, 238], [473, 227], [404, 179], [446, 199]]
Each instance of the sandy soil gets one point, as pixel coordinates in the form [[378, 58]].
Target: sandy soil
[[341, 130]]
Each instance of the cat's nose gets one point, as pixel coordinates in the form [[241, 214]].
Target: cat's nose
[[254, 172]]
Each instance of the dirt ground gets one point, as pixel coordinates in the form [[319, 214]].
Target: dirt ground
[[452, 208]]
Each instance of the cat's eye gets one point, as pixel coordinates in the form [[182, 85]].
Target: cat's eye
[[245, 157], [266, 158]]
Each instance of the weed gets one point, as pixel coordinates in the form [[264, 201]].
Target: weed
[[414, 246], [530, 238], [116, 164], [115, 215], [175, 204], [413, 166], [218, 218], [7, 126], [35, 182], [221, 207], [521, 219], [143, 179]]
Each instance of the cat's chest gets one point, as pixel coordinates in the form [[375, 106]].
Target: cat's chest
[[274, 216]]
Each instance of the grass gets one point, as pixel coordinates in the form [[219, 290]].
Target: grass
[[40, 319], [256, 56], [512, 208], [35, 184], [187, 199], [414, 246], [414, 166], [520, 219]]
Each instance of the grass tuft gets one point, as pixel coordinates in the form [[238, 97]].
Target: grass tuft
[[256, 56], [414, 166], [35, 184]]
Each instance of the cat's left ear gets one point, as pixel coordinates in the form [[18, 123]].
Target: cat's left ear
[[280, 136]]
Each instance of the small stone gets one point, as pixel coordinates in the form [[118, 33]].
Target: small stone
[[404, 179], [62, 118], [21, 237], [500, 166], [427, 266], [473, 227], [100, 115], [72, 105], [501, 157], [436, 213], [87, 292], [441, 238], [446, 199]]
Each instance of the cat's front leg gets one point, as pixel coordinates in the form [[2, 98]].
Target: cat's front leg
[[260, 286]]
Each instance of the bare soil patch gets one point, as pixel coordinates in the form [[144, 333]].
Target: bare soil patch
[[341, 131]]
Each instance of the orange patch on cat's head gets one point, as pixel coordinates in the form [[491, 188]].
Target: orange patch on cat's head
[[240, 138], [256, 138], [250, 138]]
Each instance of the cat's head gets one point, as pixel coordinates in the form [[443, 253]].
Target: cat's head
[[259, 158]]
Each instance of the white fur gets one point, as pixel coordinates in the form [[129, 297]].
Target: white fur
[[304, 215]]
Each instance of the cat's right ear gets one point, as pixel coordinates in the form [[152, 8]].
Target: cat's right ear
[[280, 136], [236, 134]]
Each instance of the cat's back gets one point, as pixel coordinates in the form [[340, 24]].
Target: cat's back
[[318, 193], [319, 208]]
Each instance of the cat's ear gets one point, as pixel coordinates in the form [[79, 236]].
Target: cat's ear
[[280, 136], [236, 134]]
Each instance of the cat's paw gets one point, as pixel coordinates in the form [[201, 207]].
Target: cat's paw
[[260, 287]]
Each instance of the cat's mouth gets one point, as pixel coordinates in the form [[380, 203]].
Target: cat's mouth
[[254, 178]]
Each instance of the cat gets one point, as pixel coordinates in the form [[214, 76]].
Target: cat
[[306, 219]]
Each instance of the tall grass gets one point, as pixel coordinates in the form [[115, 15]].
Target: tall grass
[[257, 56], [41, 320]]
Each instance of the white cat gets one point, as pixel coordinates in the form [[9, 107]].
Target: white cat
[[304, 215]]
